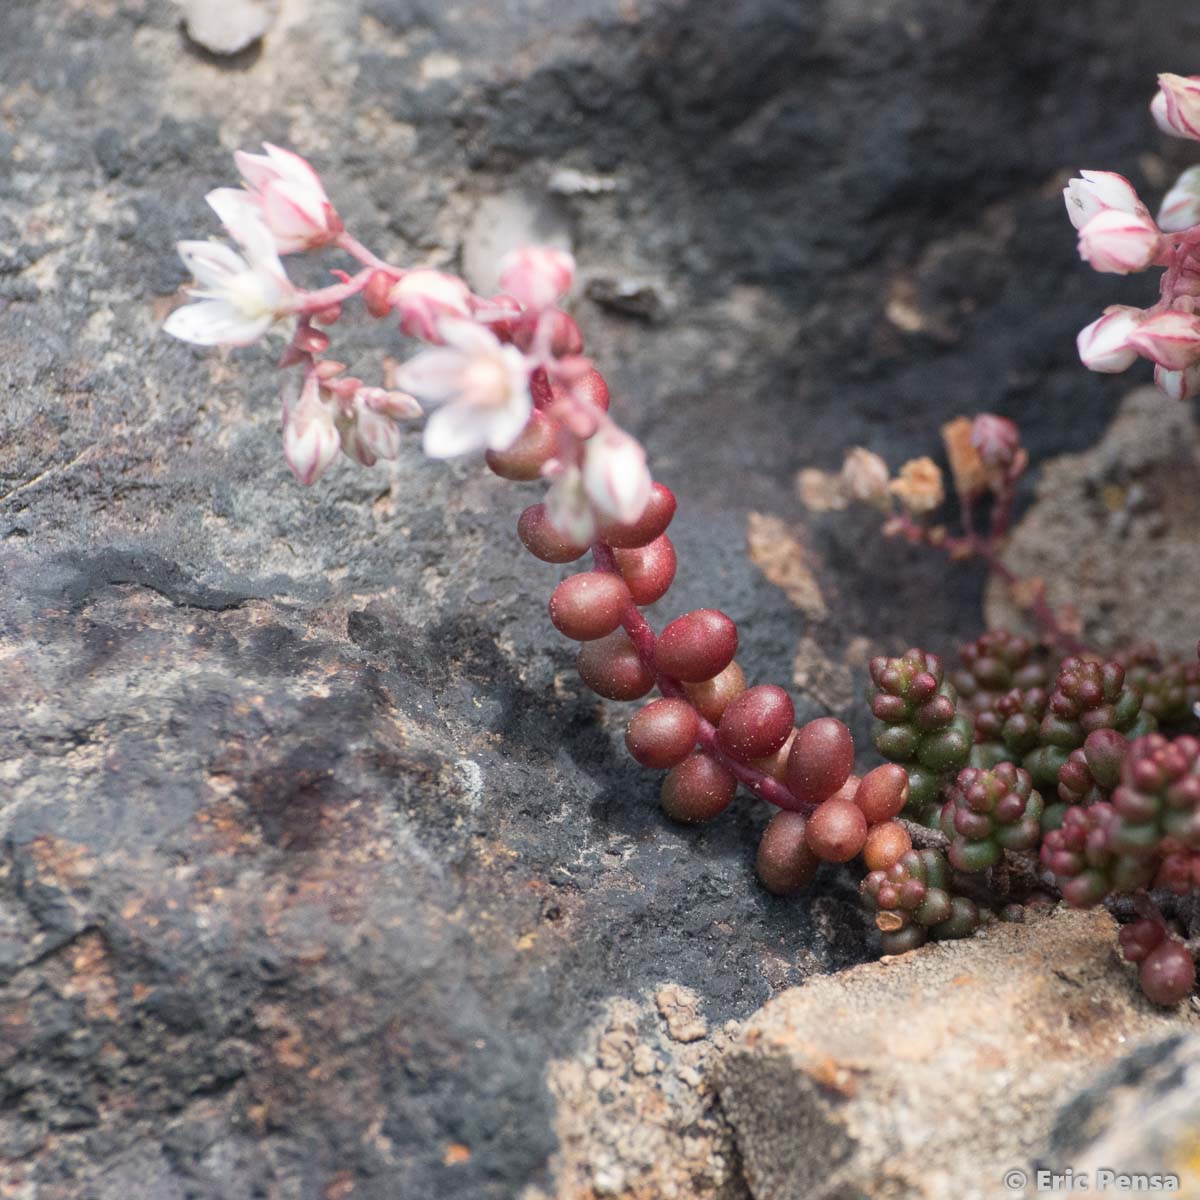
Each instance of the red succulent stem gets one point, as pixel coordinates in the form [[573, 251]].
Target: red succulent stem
[[634, 622]]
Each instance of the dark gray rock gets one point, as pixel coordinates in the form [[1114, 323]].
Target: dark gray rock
[[314, 852]]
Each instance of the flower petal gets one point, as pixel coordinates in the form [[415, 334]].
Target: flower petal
[[507, 423], [256, 169], [233, 206], [212, 264], [468, 336], [433, 374], [291, 166], [454, 430], [215, 323], [293, 211]]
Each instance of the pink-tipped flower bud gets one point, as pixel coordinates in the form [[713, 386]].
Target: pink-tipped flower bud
[[1104, 344], [537, 276], [290, 198], [997, 441], [1177, 106], [1171, 339], [1181, 205], [1119, 243], [310, 436], [424, 297], [1097, 192], [370, 432], [1178, 385], [400, 406], [615, 475]]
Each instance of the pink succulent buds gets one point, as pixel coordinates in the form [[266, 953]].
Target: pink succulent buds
[[1181, 205], [287, 194], [424, 297], [1171, 339], [1104, 344], [615, 475], [537, 276], [483, 387], [1120, 242], [997, 441], [1098, 191], [1176, 108], [311, 440], [238, 297]]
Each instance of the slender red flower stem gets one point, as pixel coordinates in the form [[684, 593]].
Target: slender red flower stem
[[368, 258], [312, 302], [633, 621]]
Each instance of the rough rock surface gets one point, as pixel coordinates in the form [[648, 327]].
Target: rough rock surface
[[932, 1074], [637, 1114], [314, 853], [1115, 531], [1139, 1117]]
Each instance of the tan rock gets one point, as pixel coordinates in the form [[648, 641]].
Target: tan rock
[[1114, 532], [929, 1075]]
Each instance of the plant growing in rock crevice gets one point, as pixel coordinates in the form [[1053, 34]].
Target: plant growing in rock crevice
[[1019, 753]]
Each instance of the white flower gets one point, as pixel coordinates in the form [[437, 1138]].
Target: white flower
[[1104, 344], [238, 298], [1176, 108], [568, 506], [537, 276], [310, 435], [1181, 205], [1097, 191], [287, 194], [482, 384], [615, 476], [425, 298], [1119, 242]]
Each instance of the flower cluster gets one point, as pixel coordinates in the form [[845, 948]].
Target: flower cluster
[[1117, 234], [1024, 760], [506, 373]]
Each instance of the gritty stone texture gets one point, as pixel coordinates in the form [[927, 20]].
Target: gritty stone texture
[[314, 853], [637, 1115], [1115, 531], [1141, 1116], [930, 1074]]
